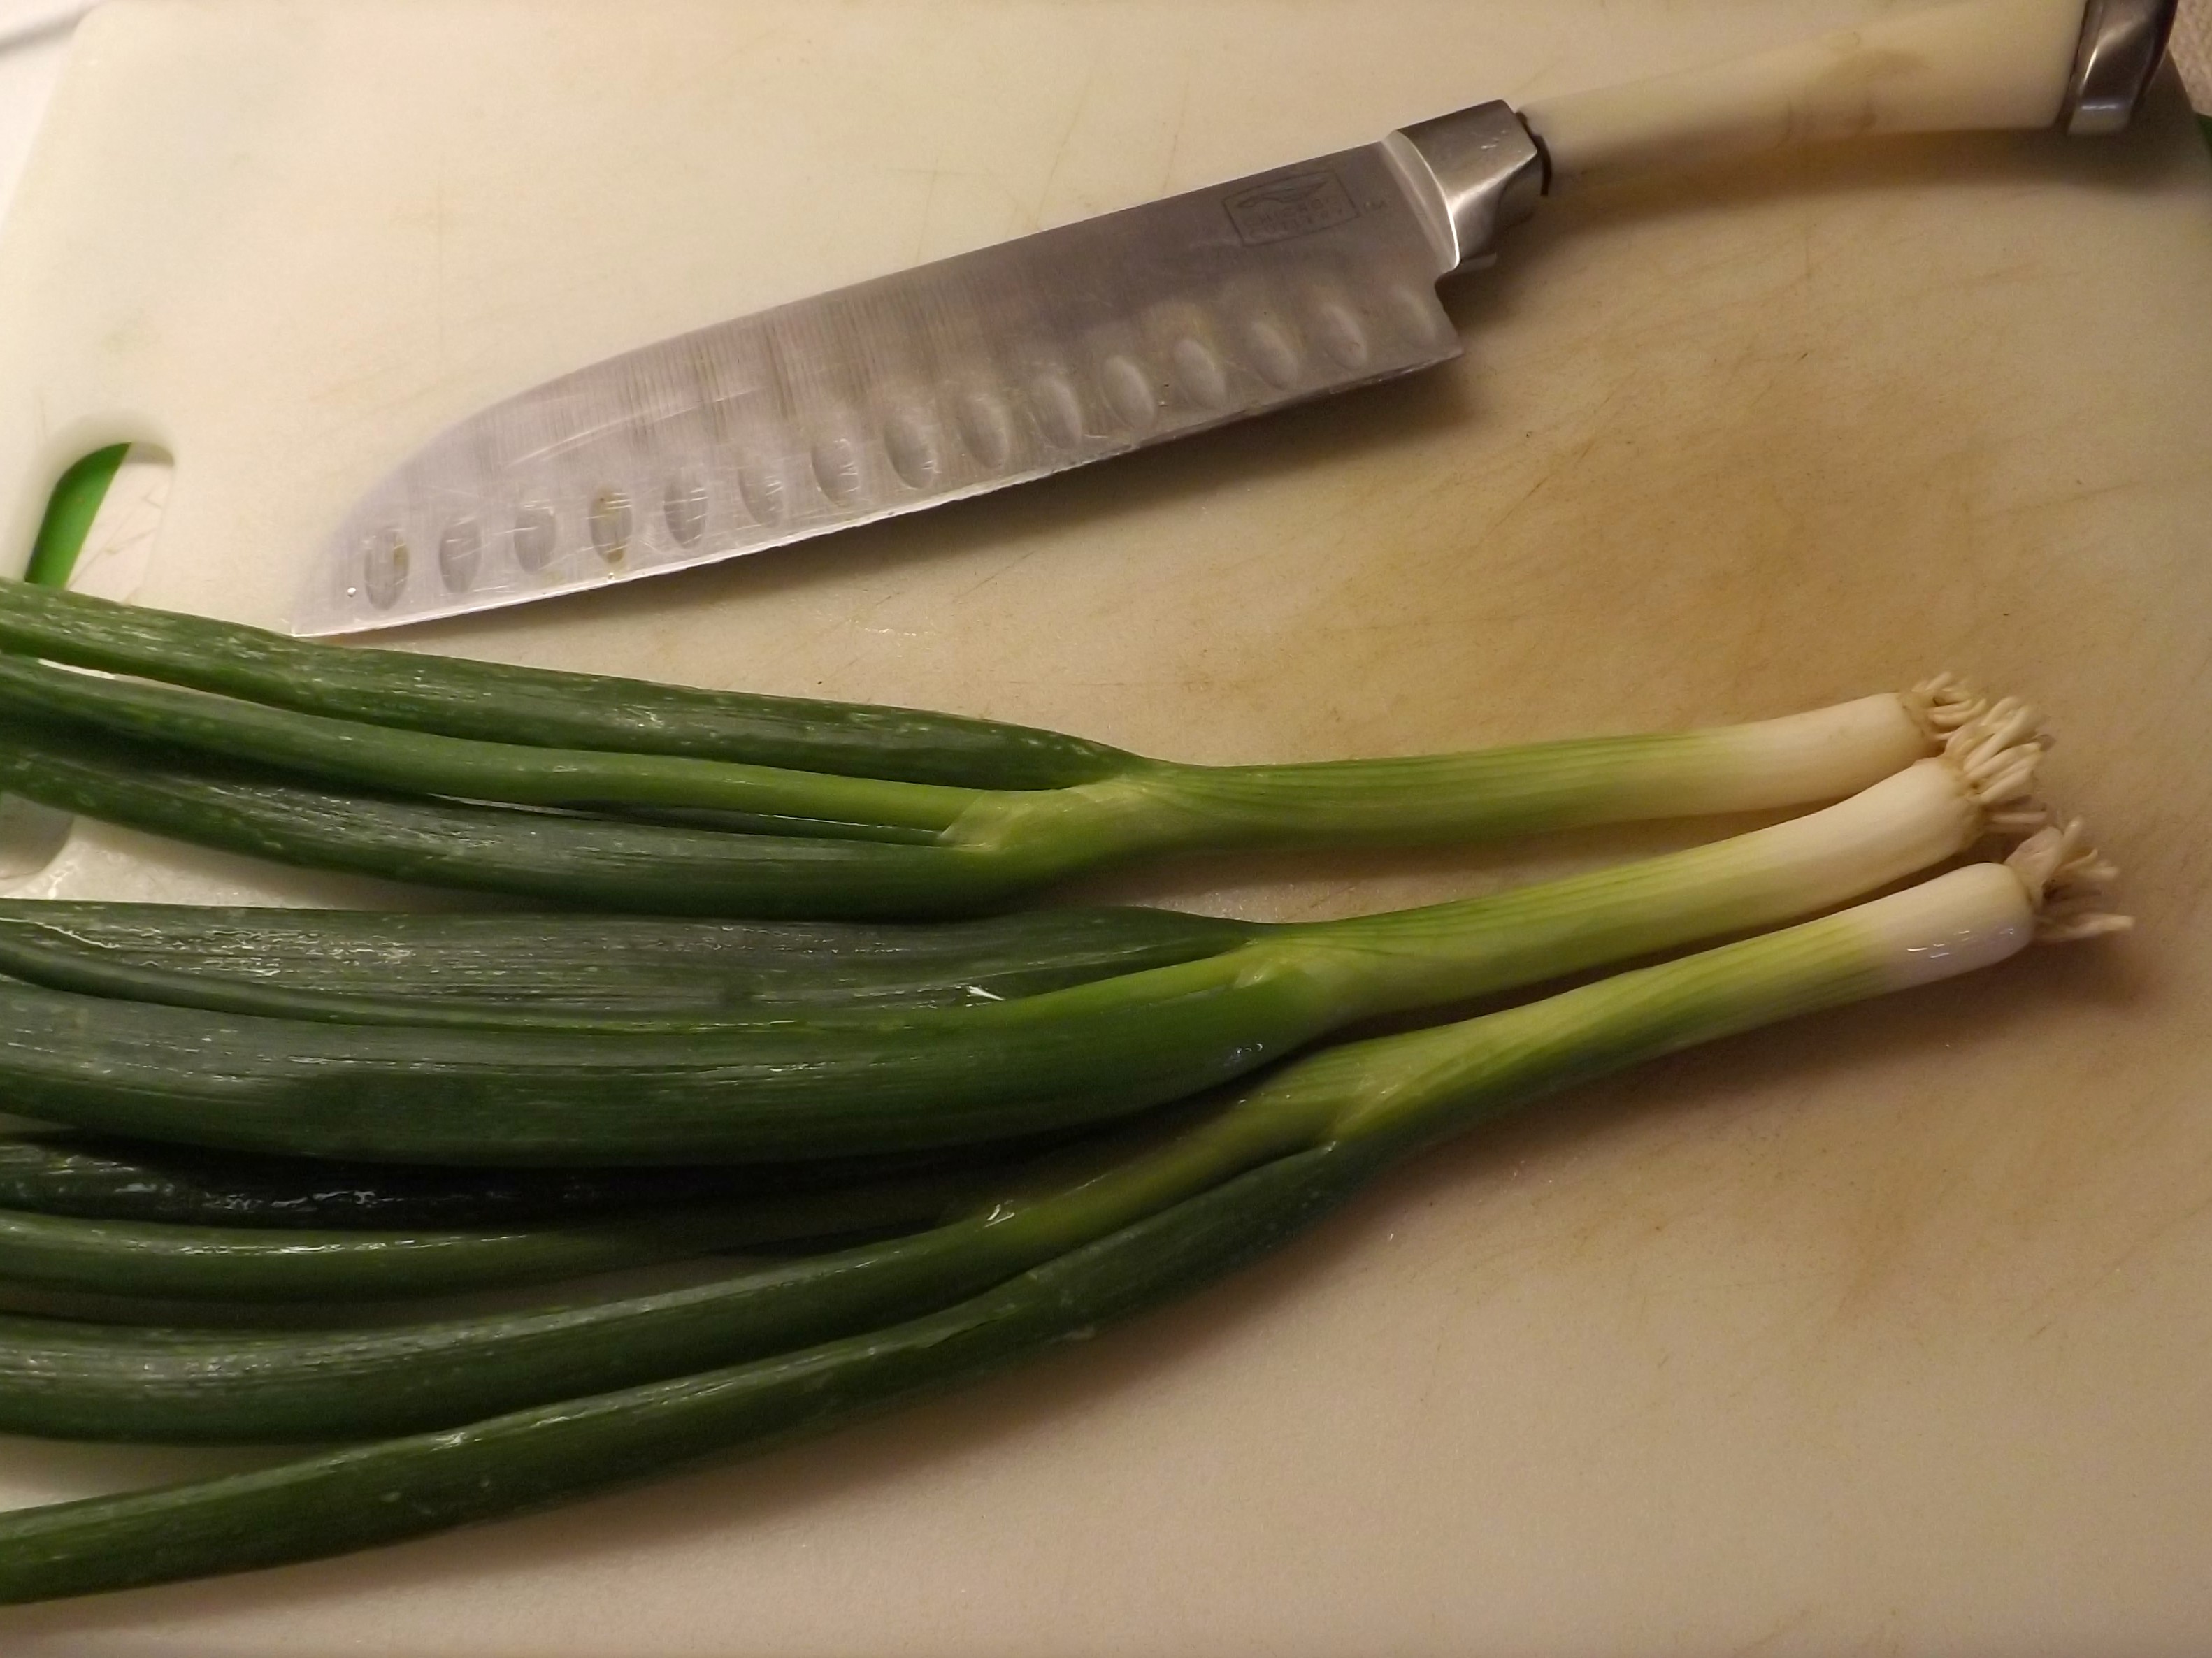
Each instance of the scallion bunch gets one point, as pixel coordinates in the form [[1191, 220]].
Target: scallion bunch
[[940, 1144], [484, 1418]]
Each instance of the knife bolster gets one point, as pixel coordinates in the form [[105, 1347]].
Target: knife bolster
[[1469, 174]]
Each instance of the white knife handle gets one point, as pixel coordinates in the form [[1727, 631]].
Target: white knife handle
[[1957, 66]]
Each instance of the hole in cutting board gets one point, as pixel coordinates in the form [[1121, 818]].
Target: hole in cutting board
[[97, 538]]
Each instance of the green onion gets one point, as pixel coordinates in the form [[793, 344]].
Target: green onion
[[213, 1263], [57, 1173], [538, 706], [921, 1078], [1149, 806], [581, 862], [262, 778], [1333, 1122], [377, 757], [574, 972]]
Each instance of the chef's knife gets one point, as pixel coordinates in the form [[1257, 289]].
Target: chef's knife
[[1101, 336]]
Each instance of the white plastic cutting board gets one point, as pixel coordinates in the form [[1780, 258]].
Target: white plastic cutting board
[[1888, 1331]]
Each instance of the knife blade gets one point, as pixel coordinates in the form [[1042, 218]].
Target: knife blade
[[1095, 338]]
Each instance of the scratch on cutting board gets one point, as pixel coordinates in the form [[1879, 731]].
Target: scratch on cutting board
[[2077, 1288], [1557, 468], [1059, 150], [2079, 494], [1175, 138], [1534, 80], [1006, 569], [2156, 1234], [1890, 1235], [1766, 1643]]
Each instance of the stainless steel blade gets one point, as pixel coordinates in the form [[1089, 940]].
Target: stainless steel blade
[[944, 381]]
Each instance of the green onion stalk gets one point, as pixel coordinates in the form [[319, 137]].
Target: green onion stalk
[[1240, 1183], [201, 1262], [577, 972], [919, 1079], [547, 708], [348, 783], [98, 1178]]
